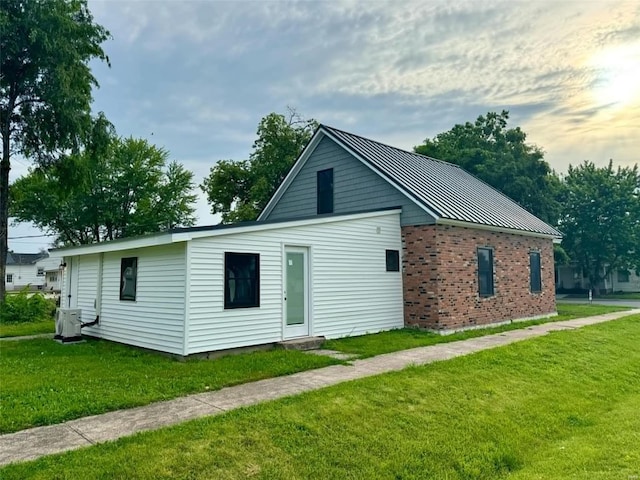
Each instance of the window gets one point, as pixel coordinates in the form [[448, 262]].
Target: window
[[241, 280], [393, 261], [485, 272], [535, 277], [128, 278], [9, 277], [52, 277], [325, 191], [40, 272], [623, 276]]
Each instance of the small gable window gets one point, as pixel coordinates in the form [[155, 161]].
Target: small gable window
[[535, 276], [128, 278], [485, 272], [241, 280], [9, 277], [40, 272], [325, 191], [393, 261]]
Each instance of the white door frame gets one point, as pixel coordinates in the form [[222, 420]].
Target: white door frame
[[303, 330]]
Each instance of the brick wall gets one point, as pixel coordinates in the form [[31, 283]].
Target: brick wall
[[441, 277]]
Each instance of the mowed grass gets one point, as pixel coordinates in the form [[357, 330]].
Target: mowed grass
[[560, 406], [44, 382], [405, 338], [23, 329]]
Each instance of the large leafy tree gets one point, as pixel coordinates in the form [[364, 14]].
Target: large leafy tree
[[239, 190], [601, 219], [112, 188], [500, 156], [45, 84]]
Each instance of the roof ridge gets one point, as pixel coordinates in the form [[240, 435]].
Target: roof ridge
[[323, 125]]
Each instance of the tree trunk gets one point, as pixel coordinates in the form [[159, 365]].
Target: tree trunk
[[5, 166]]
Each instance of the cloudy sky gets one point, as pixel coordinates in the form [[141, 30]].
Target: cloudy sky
[[196, 77]]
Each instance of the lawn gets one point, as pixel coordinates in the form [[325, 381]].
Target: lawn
[[404, 338], [560, 406], [622, 296], [30, 328], [44, 382]]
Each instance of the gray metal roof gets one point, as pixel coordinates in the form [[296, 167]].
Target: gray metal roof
[[444, 188], [24, 258]]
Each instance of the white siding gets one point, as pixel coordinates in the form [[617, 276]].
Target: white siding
[[351, 293], [155, 319]]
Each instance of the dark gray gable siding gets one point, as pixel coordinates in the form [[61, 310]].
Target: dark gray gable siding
[[355, 188]]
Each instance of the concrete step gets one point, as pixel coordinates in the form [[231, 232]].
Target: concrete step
[[302, 343]]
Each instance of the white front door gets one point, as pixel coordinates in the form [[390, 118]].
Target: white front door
[[296, 292]]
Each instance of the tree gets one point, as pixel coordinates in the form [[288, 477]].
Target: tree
[[501, 157], [601, 219], [113, 188], [239, 190], [45, 84]]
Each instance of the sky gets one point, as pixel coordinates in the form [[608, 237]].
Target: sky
[[196, 77]]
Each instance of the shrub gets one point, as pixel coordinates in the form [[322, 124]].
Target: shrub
[[26, 307]]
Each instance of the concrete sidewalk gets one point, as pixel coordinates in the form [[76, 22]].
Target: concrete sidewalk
[[36, 442]]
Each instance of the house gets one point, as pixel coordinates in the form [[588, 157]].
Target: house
[[22, 271], [50, 267], [571, 279], [360, 237]]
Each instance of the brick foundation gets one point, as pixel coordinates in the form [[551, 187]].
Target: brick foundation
[[441, 277]]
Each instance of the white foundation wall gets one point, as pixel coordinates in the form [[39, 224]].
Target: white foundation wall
[[350, 292], [155, 320]]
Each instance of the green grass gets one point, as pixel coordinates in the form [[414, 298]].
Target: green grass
[[622, 296], [44, 382], [560, 406], [22, 329], [405, 338]]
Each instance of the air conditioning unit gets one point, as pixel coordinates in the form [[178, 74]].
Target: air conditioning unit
[[68, 322]]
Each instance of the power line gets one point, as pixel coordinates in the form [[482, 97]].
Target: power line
[[30, 236]]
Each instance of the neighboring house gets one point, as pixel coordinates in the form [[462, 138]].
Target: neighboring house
[[360, 237], [22, 271], [570, 279], [50, 268]]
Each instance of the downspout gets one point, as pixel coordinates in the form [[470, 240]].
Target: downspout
[[98, 300]]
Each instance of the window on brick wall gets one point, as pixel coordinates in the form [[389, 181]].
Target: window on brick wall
[[535, 274], [485, 272]]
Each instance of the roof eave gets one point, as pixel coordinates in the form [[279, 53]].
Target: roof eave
[[513, 231]]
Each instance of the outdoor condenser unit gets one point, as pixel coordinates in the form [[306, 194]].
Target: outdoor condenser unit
[[68, 321]]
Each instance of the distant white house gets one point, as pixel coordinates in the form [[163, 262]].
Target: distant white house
[[22, 271], [571, 278]]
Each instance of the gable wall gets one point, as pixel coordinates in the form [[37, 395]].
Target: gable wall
[[441, 278], [356, 188]]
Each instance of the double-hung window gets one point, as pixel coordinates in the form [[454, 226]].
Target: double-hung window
[[485, 272], [128, 278], [535, 273]]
